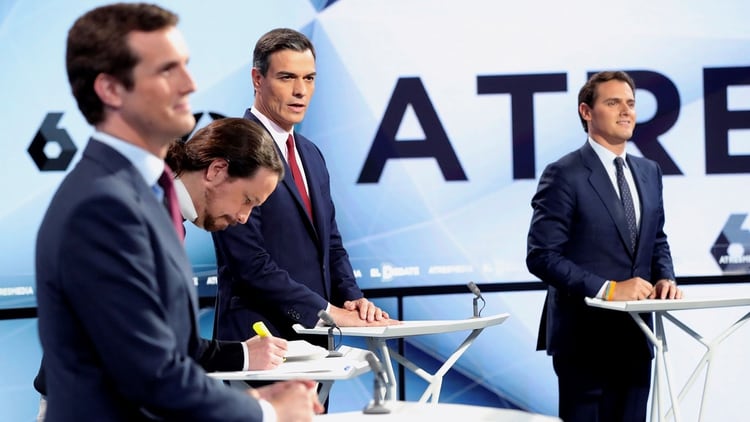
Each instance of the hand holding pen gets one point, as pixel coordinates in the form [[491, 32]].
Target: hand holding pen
[[265, 351]]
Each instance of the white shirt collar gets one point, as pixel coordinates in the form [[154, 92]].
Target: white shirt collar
[[278, 134], [606, 156], [187, 208], [148, 165]]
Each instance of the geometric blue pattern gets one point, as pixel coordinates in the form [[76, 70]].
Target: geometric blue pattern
[[321, 4]]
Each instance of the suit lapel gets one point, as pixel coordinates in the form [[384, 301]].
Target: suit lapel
[[313, 172], [642, 185], [288, 181], [291, 187], [171, 245], [304, 148], [600, 181], [157, 214]]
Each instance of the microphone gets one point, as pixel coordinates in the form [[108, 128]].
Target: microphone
[[474, 289], [328, 320], [376, 407], [477, 295]]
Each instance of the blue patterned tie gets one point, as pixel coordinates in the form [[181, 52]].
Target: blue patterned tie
[[627, 202]]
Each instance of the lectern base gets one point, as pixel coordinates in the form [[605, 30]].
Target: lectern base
[[376, 409]]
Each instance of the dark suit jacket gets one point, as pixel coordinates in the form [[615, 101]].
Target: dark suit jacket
[[280, 267], [578, 239], [117, 308]]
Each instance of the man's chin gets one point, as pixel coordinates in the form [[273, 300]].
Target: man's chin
[[187, 124], [214, 226]]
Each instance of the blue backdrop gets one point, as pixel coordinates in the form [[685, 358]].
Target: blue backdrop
[[436, 118]]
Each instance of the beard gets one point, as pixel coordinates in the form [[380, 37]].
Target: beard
[[213, 224]]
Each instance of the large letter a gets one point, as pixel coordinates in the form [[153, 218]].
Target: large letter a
[[436, 144]]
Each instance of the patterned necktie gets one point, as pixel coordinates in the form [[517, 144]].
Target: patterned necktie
[[297, 175], [627, 202], [166, 181]]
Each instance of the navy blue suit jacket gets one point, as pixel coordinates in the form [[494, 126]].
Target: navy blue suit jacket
[[281, 267], [117, 307], [578, 239]]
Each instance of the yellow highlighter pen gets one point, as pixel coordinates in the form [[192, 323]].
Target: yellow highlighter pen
[[261, 329]]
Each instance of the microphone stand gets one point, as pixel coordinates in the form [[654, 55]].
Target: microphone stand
[[477, 295], [330, 339], [322, 314], [376, 406]]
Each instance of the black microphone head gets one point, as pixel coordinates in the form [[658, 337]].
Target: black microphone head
[[327, 318], [474, 289]]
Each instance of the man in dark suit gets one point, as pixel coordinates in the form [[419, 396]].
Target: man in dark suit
[[117, 308], [227, 168], [288, 262], [598, 231]]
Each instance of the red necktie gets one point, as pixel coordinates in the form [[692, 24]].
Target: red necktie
[[166, 181], [297, 175]]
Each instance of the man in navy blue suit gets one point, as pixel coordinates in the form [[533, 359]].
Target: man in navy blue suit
[[288, 262], [226, 169], [598, 232], [117, 308]]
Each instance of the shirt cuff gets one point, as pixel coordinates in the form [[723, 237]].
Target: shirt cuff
[[269, 413], [246, 357], [600, 294]]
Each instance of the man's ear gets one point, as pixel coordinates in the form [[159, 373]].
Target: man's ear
[[109, 90], [585, 111], [256, 77], [217, 171]]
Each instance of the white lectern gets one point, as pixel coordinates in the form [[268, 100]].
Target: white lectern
[[412, 411], [662, 366], [376, 340], [324, 370]]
